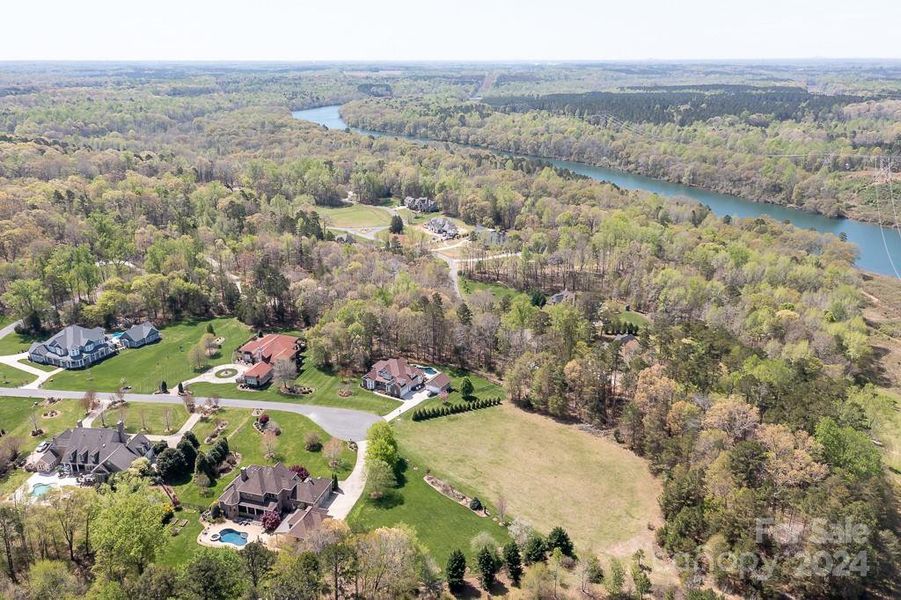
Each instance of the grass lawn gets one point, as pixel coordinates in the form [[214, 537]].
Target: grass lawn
[[630, 316], [35, 365], [441, 524], [15, 419], [167, 360], [325, 385], [499, 291], [245, 440], [882, 409], [15, 343], [13, 377], [150, 418], [180, 548], [549, 474], [355, 215]]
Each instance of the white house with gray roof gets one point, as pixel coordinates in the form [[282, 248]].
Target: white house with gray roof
[[75, 347], [140, 335]]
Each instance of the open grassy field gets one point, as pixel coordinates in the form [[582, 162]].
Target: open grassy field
[[15, 420], [635, 318], [325, 385], [15, 343], [441, 524], [13, 377], [549, 474], [167, 360], [144, 417], [355, 215], [469, 286], [245, 440], [179, 548]]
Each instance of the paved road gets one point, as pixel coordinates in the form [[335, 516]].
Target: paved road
[[8, 329], [342, 423]]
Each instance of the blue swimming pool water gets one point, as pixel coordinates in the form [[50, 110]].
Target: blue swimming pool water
[[230, 536], [39, 489], [430, 371], [117, 335]]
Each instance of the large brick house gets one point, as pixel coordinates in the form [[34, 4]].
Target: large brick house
[[260, 489], [75, 347], [94, 451], [262, 353], [394, 376]]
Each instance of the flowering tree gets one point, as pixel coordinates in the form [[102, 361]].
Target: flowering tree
[[270, 520], [300, 470]]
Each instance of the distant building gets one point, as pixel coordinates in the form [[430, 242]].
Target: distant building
[[74, 347], [345, 238], [260, 489], [564, 296], [95, 451], [442, 226], [394, 376], [420, 204], [140, 335], [262, 353]]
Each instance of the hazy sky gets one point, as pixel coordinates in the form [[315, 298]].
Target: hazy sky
[[450, 30]]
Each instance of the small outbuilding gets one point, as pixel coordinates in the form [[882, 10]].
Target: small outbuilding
[[140, 335], [439, 383]]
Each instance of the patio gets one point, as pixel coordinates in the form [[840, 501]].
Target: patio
[[40, 483], [213, 534]]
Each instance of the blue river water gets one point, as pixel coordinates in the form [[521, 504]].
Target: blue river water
[[879, 248]]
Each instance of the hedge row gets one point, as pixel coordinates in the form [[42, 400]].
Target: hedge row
[[424, 414]]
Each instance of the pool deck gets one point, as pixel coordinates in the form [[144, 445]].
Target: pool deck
[[51, 479], [254, 532]]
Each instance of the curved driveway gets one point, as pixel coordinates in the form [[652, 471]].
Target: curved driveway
[[343, 423]]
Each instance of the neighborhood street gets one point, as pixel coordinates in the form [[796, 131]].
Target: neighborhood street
[[343, 423]]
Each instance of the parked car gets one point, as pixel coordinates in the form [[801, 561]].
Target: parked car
[[43, 446]]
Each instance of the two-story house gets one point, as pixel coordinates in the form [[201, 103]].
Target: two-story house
[[75, 347]]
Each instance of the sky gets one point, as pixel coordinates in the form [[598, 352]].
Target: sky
[[461, 30]]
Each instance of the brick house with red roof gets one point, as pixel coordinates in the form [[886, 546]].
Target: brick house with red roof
[[394, 376], [263, 352]]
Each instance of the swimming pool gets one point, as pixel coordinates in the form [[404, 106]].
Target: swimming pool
[[430, 371], [39, 489], [117, 335], [235, 538]]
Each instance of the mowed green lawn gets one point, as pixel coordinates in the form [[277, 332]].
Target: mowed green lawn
[[144, 417], [470, 286], [15, 343], [441, 524], [548, 473], [13, 377], [178, 549], [353, 216], [245, 440], [325, 385], [167, 360], [15, 420]]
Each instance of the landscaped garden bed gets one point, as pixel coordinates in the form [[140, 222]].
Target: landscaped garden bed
[[446, 489]]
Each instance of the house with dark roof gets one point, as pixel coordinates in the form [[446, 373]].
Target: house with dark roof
[[140, 335], [94, 451], [439, 383], [442, 226], [394, 376], [262, 353], [74, 347], [421, 204], [259, 489]]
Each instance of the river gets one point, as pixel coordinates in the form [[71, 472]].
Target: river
[[879, 248]]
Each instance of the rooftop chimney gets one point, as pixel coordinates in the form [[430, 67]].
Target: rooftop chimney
[[243, 473], [120, 427]]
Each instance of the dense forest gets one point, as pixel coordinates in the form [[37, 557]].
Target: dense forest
[[126, 195], [683, 105]]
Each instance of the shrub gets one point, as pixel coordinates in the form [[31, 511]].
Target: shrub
[[300, 470], [558, 538], [263, 419], [270, 520], [312, 442], [475, 504]]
